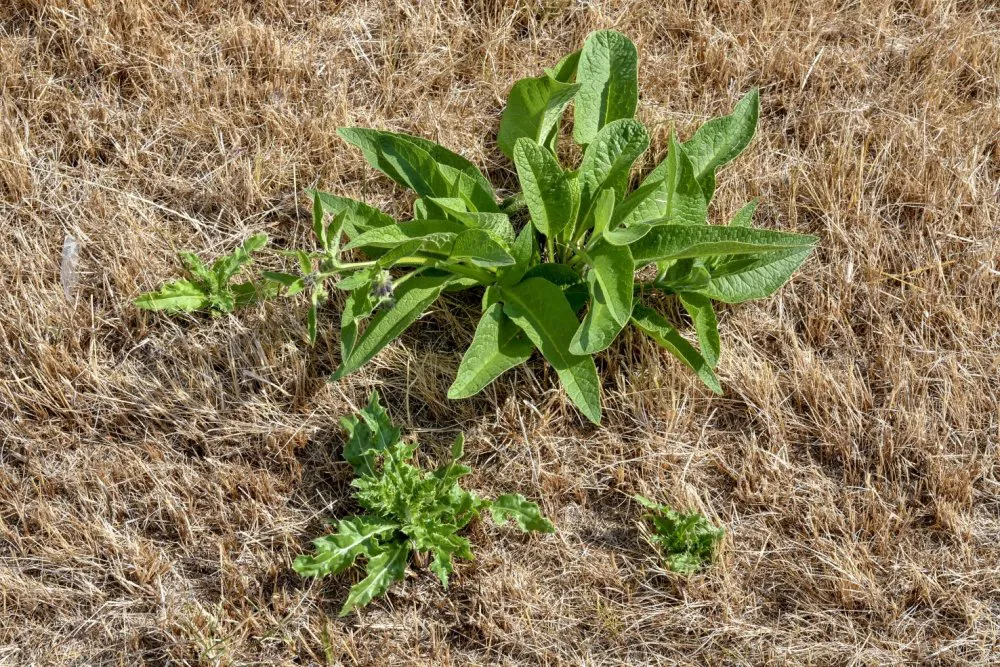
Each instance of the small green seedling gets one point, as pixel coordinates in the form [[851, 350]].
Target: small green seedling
[[564, 281], [406, 510], [685, 541]]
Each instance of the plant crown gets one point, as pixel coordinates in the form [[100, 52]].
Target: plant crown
[[685, 541]]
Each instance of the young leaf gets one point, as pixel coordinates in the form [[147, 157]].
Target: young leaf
[[497, 346], [546, 189], [293, 284], [656, 327], [319, 229], [758, 278], [615, 272], [609, 83], [627, 235], [721, 139], [383, 570], [679, 241], [228, 265], [565, 71], [533, 109], [607, 161], [523, 512], [599, 328], [604, 208], [179, 296], [412, 298], [699, 307], [541, 310], [686, 541], [523, 251]]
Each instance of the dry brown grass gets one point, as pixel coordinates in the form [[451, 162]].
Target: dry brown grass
[[159, 475]]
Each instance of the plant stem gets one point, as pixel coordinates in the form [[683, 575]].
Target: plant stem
[[480, 275]]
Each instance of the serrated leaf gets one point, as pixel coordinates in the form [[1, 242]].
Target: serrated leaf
[[609, 86], [615, 271], [371, 433], [599, 328], [541, 310], [412, 298], [757, 278], [546, 189], [228, 265], [533, 110], [656, 327], [497, 346], [355, 536], [383, 570], [686, 541], [665, 242], [523, 512], [721, 139], [706, 326], [182, 296], [607, 161]]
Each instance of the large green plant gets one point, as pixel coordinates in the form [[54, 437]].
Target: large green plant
[[564, 283]]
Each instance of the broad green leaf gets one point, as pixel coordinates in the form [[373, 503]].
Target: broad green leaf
[[699, 307], [497, 346], [175, 296], [437, 234], [546, 189], [250, 292], [684, 275], [449, 158], [533, 109], [358, 305], [599, 328], [403, 250], [469, 189], [615, 272], [383, 570], [480, 248], [541, 310], [721, 139], [355, 536], [412, 298], [609, 84], [193, 265], [744, 217], [404, 162], [757, 278], [495, 223], [523, 512], [523, 251], [656, 327], [607, 161], [568, 280], [679, 241]]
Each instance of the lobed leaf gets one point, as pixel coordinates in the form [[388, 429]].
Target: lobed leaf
[[523, 512]]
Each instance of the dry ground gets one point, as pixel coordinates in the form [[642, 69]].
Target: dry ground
[[159, 475]]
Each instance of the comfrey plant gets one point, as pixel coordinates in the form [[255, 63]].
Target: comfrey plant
[[566, 282], [405, 510]]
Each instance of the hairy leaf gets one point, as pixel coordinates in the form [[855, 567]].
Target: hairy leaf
[[175, 296], [533, 109], [609, 86], [541, 310], [546, 190], [523, 512], [497, 346], [680, 241], [721, 139], [699, 307], [383, 570]]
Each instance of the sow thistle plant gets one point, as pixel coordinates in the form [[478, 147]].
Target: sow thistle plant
[[406, 510], [565, 282], [685, 540]]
